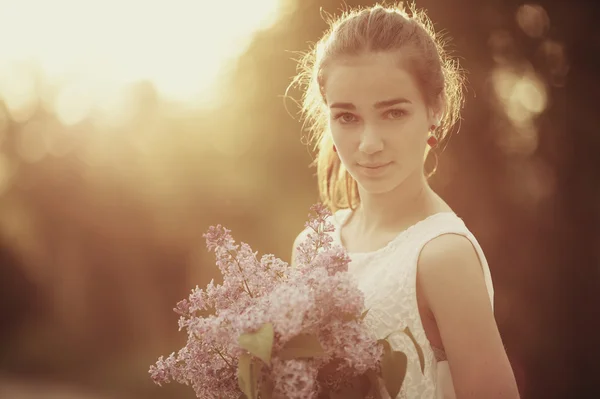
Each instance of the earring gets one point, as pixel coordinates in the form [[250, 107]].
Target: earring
[[432, 128], [432, 141]]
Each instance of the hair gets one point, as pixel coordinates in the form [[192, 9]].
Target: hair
[[361, 31]]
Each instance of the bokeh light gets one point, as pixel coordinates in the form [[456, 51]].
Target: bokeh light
[[533, 19], [85, 50]]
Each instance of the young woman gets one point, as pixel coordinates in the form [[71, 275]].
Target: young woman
[[380, 92]]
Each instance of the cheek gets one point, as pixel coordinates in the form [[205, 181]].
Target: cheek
[[409, 146], [344, 137]]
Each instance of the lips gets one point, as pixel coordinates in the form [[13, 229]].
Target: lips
[[374, 166]]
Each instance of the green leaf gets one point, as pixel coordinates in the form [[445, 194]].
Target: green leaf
[[393, 368], [259, 343], [364, 314], [248, 376], [302, 346], [374, 390], [418, 348]]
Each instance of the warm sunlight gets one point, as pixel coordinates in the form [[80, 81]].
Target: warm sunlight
[[74, 56]]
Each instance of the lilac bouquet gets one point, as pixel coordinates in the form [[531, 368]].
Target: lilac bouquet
[[273, 331]]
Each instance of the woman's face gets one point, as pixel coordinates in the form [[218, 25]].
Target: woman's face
[[378, 119]]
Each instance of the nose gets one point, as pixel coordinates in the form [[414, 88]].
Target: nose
[[370, 142]]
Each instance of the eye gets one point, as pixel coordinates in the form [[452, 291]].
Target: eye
[[395, 113], [345, 117]]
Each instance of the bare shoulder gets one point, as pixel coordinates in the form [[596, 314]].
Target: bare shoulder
[[451, 246], [450, 256], [450, 269]]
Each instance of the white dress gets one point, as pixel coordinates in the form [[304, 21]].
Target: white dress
[[387, 278]]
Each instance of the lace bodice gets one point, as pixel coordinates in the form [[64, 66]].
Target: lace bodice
[[387, 278]]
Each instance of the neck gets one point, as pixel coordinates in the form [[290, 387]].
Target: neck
[[411, 201]]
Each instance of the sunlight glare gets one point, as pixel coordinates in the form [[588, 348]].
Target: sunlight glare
[[184, 47], [18, 91]]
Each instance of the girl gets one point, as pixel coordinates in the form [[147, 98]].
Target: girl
[[380, 92]]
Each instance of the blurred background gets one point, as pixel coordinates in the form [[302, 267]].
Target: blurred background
[[127, 128]]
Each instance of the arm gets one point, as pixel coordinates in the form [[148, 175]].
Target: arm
[[453, 287]]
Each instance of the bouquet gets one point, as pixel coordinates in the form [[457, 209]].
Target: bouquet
[[273, 331]]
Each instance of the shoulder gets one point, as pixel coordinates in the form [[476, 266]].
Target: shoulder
[[297, 241], [301, 237], [444, 249], [453, 277], [449, 265]]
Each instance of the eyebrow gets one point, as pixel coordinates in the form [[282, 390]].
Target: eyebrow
[[378, 105]]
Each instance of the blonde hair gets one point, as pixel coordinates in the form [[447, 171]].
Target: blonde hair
[[374, 29]]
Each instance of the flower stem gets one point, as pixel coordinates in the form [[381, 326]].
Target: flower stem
[[222, 357], [237, 262], [317, 230]]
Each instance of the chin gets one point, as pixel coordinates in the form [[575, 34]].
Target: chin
[[379, 185]]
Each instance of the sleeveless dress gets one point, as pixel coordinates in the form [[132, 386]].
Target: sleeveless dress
[[387, 277]]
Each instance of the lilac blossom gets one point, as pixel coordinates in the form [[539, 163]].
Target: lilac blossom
[[317, 297]]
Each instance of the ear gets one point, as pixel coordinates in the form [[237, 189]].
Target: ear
[[437, 112], [435, 118]]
